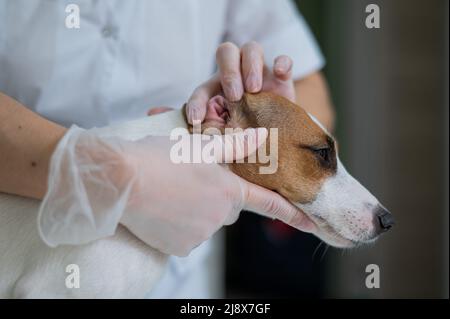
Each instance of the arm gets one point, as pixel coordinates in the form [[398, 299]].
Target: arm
[[313, 95], [26, 144]]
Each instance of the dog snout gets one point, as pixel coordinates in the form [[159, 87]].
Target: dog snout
[[383, 219]]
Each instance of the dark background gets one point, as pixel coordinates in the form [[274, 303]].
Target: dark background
[[390, 89]]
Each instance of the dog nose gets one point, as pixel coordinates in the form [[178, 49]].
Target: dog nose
[[383, 219]]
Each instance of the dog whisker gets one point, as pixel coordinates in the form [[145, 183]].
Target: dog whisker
[[324, 252], [316, 250]]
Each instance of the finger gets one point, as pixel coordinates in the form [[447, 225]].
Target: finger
[[282, 67], [265, 202], [232, 217], [158, 110], [197, 103], [228, 58], [252, 66], [237, 146]]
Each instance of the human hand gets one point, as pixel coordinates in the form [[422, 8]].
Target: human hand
[[193, 201], [242, 70]]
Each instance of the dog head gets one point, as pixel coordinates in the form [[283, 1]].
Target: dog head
[[309, 172]]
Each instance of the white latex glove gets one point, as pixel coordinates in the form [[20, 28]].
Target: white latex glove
[[95, 183]]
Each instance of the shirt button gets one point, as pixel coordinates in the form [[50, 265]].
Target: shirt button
[[110, 32]]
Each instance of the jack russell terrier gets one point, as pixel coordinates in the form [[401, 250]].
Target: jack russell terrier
[[309, 174]]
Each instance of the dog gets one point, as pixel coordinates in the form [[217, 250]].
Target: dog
[[309, 174]]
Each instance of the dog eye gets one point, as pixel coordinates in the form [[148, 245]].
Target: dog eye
[[323, 153]]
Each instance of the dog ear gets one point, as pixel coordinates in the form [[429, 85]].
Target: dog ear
[[217, 116], [268, 110], [257, 110], [221, 113], [214, 118]]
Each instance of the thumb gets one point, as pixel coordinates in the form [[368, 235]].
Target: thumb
[[239, 145], [197, 103], [270, 204]]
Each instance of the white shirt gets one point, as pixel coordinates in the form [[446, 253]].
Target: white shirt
[[130, 55]]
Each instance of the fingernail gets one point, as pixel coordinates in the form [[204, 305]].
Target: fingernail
[[192, 114], [308, 226], [280, 69], [302, 222], [282, 66], [252, 82], [235, 92]]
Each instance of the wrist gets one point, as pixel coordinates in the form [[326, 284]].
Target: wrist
[[89, 184]]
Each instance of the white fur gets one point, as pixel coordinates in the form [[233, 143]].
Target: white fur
[[346, 207]]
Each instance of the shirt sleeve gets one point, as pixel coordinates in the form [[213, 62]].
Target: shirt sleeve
[[279, 28]]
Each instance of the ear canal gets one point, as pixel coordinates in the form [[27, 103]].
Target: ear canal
[[216, 116]]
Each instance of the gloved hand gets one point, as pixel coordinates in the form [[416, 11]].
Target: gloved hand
[[95, 183]]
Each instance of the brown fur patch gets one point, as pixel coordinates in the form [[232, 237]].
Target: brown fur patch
[[301, 169]]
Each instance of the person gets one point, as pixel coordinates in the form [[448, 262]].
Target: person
[[57, 83]]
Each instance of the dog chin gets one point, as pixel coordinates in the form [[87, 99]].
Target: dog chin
[[332, 237], [335, 240]]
